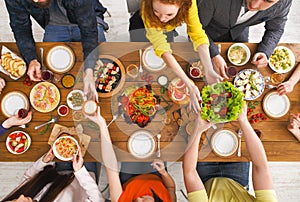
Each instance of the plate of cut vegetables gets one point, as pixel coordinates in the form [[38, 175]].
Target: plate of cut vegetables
[[138, 105], [18, 142], [221, 102], [282, 59]]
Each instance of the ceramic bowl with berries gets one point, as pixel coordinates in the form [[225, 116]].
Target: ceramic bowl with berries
[[18, 142]]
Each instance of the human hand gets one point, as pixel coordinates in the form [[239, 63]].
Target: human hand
[[201, 125], [23, 198], [2, 84], [49, 156], [220, 65], [243, 115], [285, 87], [194, 99], [77, 161], [159, 165], [260, 60], [97, 118], [16, 121], [34, 70], [89, 85], [294, 125], [212, 77]]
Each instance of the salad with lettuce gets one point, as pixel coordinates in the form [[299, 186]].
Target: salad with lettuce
[[221, 102]]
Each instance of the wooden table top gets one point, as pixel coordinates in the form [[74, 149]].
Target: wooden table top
[[279, 143]]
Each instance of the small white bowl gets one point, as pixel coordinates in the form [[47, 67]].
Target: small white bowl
[[61, 106], [56, 153], [244, 48], [8, 140]]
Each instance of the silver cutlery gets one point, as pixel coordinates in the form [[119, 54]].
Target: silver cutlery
[[269, 86], [53, 120], [42, 59], [239, 153], [158, 145], [114, 118], [141, 66]]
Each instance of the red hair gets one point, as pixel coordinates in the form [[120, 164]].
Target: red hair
[[181, 16]]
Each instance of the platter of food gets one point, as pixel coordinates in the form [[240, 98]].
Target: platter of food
[[75, 99], [276, 106], [151, 61], [138, 105], [141, 144], [109, 75], [44, 97], [282, 59], [18, 142], [60, 59], [238, 54], [65, 147], [221, 102], [13, 101], [224, 143], [250, 82], [178, 92], [11, 64]]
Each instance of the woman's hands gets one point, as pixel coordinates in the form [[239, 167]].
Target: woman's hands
[[49, 156], [97, 118], [294, 125], [77, 161], [285, 87], [16, 121], [159, 165], [195, 97], [2, 84]]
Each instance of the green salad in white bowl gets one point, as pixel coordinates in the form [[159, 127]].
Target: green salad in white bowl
[[221, 102]]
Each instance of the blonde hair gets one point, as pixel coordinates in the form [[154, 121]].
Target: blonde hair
[[181, 16]]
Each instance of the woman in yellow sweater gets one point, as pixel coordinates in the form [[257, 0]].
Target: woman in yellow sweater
[[160, 16]]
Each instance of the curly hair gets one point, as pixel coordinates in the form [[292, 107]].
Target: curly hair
[[181, 16]]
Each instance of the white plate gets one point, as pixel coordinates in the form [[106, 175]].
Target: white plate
[[8, 140], [60, 59], [292, 57], [246, 49], [55, 152], [262, 85], [70, 103], [151, 61], [12, 102], [276, 106], [224, 143], [141, 144]]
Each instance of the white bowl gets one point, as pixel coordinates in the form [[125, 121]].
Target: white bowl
[[292, 60], [9, 139], [56, 152], [245, 50], [224, 143]]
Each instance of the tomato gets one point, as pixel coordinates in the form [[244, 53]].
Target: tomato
[[146, 119], [13, 136], [124, 100], [264, 118], [20, 134], [256, 120], [251, 121], [229, 95], [20, 150], [140, 118]]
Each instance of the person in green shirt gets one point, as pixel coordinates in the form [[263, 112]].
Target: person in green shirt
[[222, 188]]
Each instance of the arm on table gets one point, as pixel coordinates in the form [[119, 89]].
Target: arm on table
[[261, 175], [288, 86], [109, 158], [192, 180]]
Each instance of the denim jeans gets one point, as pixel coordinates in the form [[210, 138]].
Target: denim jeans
[[58, 33], [67, 166], [132, 169], [237, 171]]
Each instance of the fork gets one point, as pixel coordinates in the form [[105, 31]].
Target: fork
[[42, 59], [114, 118], [239, 153], [158, 145], [141, 66], [53, 120], [269, 86]]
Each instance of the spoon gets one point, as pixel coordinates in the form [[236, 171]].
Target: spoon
[[42, 59], [141, 66], [269, 86], [158, 145], [53, 120], [114, 118]]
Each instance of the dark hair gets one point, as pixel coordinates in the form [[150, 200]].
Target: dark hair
[[39, 181], [182, 15], [43, 4], [156, 197]]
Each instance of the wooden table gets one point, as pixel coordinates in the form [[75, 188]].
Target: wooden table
[[279, 144]]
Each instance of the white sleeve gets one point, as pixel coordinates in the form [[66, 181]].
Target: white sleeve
[[89, 185]]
